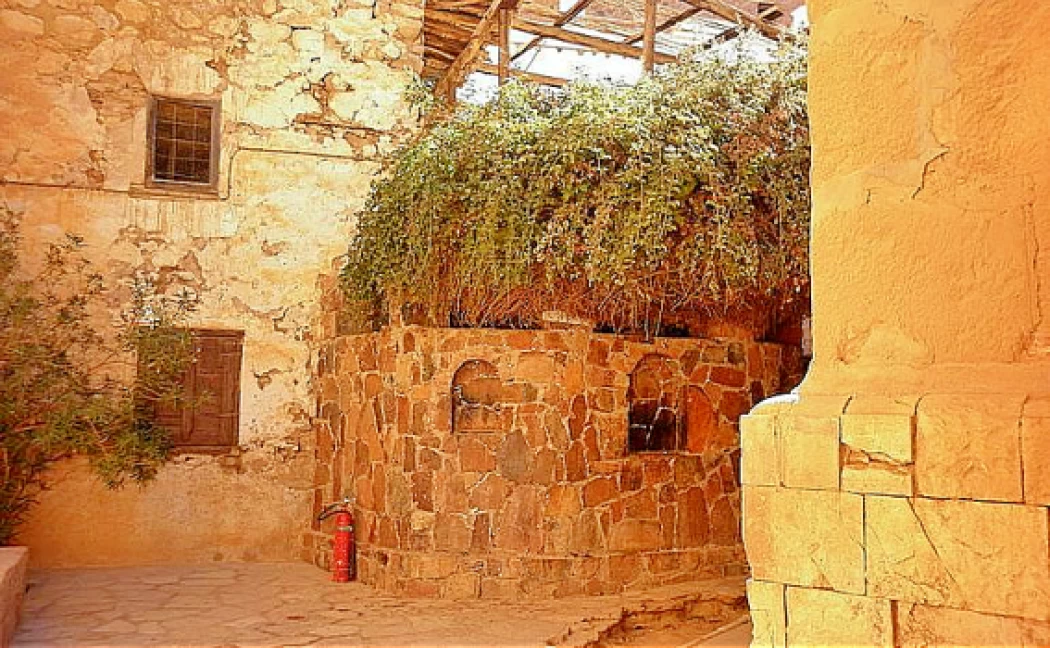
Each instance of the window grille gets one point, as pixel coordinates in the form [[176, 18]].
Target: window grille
[[184, 143]]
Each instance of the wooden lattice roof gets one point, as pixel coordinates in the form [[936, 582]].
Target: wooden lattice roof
[[456, 31]]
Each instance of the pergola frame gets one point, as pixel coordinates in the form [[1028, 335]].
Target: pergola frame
[[499, 17]]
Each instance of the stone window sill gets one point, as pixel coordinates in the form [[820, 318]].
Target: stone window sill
[[175, 192]]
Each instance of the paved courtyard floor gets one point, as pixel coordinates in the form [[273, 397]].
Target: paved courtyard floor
[[250, 605]]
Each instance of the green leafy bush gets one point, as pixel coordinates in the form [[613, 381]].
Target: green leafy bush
[[679, 200], [65, 387]]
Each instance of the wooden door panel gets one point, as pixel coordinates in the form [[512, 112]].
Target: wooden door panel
[[212, 387]]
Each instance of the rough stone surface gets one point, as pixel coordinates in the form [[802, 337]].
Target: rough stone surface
[[14, 563], [969, 447], [293, 171], [968, 555], [1035, 452], [541, 497], [806, 538], [759, 456], [823, 618], [768, 614], [901, 307], [809, 451], [877, 453], [923, 625], [930, 258]]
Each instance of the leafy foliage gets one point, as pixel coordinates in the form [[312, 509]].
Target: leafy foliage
[[681, 199], [64, 387]]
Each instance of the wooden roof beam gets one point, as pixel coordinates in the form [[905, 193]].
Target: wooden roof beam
[[772, 13], [603, 45], [649, 37], [505, 18], [541, 79], [665, 25], [567, 17], [732, 14], [460, 68]]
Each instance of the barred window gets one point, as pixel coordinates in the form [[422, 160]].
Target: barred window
[[184, 143]]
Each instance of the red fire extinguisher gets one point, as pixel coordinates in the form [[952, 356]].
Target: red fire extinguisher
[[343, 548]]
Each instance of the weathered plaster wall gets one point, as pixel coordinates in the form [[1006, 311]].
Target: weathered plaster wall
[[902, 498], [931, 192], [534, 493], [311, 98]]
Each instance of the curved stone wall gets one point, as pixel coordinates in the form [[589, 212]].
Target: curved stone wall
[[496, 463]]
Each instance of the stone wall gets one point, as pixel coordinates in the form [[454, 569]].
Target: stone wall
[[311, 99], [14, 563], [494, 463], [901, 498]]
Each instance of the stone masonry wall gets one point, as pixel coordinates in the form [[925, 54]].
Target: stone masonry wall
[[311, 99], [903, 497], [898, 520], [494, 463]]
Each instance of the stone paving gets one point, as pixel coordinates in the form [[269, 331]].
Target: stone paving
[[242, 605]]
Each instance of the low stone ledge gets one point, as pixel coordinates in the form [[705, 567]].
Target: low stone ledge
[[509, 575], [14, 561]]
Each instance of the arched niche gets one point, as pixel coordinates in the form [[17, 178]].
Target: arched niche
[[653, 405], [477, 399]]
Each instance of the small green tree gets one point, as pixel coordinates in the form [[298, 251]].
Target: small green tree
[[66, 388]]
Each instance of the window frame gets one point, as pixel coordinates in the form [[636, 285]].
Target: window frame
[[151, 181]]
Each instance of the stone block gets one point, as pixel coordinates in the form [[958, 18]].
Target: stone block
[[969, 447], [475, 455], [860, 474], [500, 588], [734, 404], [537, 367], [870, 404], [758, 442], [809, 451], [725, 523], [451, 533], [576, 462], [923, 625], [599, 490], [806, 538], [512, 457], [889, 435], [463, 585], [641, 505], [768, 614], [1035, 457], [693, 526], [973, 555], [519, 522], [877, 453], [635, 535], [823, 618], [728, 377], [699, 419], [14, 561]]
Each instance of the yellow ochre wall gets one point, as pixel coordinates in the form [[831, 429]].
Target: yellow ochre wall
[[902, 497], [312, 98]]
